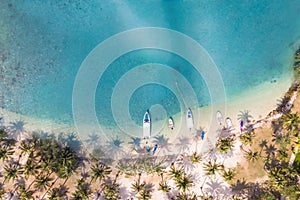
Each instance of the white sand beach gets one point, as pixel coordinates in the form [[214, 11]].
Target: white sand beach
[[260, 101]]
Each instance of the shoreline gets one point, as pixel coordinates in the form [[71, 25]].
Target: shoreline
[[259, 107]]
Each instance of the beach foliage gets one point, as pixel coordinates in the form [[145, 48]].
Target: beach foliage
[[247, 137], [212, 167], [225, 144], [229, 174], [291, 121]]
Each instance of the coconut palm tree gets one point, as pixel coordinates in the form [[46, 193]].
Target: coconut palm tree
[[65, 172], [225, 144], [245, 116], [175, 173], [229, 174], [25, 194], [82, 191], [111, 189], [195, 158], [290, 121], [6, 152], [26, 147], [251, 155], [212, 168], [42, 183], [283, 140], [99, 171], [282, 102], [57, 193], [138, 186], [164, 187], [282, 154], [12, 171], [247, 137], [147, 191], [145, 195], [31, 168], [184, 182], [54, 194], [67, 157]]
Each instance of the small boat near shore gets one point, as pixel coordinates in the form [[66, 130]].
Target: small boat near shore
[[189, 120], [146, 125], [228, 122], [171, 123], [219, 118]]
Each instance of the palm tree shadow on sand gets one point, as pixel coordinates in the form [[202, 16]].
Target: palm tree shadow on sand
[[135, 143], [114, 149], [93, 140], [71, 140], [183, 144], [163, 143], [245, 116], [17, 129], [216, 188]]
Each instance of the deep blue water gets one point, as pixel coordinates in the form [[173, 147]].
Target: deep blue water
[[43, 44]]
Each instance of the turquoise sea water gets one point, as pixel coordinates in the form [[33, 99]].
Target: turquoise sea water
[[43, 43]]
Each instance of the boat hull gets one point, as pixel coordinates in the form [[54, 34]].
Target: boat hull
[[146, 126], [189, 120]]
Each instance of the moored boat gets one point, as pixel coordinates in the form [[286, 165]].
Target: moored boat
[[228, 122], [171, 123], [189, 120], [146, 125], [219, 118]]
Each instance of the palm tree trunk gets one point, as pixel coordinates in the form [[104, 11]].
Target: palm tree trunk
[[261, 150], [31, 184], [4, 180], [65, 181]]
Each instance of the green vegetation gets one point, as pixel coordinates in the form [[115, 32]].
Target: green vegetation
[[50, 167]]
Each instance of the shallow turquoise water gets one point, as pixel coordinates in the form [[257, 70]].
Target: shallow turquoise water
[[43, 45]]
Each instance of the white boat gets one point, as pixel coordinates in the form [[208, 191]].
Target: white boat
[[146, 125], [228, 122], [171, 123], [189, 119], [219, 118]]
